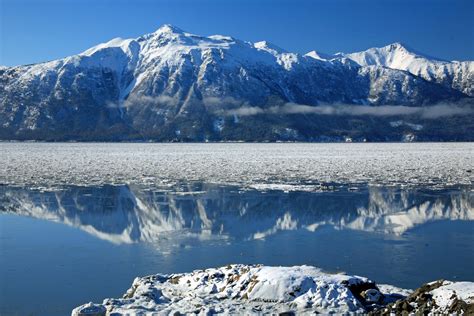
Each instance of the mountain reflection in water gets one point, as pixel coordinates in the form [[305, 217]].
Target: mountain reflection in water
[[126, 214]]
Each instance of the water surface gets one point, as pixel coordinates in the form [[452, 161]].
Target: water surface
[[65, 244]]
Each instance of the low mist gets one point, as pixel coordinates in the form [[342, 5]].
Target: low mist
[[426, 112]]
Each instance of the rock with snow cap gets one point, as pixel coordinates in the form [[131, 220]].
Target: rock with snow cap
[[250, 289]]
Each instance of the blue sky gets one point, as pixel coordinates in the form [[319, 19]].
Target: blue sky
[[40, 30]]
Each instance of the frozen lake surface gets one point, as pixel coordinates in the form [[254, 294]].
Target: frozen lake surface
[[79, 222]]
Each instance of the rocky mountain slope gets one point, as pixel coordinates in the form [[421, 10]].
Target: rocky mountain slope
[[455, 74], [172, 85]]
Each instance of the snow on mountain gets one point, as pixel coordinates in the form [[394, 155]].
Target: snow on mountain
[[455, 74], [269, 47], [172, 83], [319, 56]]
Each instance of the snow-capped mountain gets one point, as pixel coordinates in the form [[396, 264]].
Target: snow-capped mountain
[[171, 84], [458, 75]]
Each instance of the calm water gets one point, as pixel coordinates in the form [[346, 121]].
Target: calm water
[[65, 244]]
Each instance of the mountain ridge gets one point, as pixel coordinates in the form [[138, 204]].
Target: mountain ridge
[[171, 84], [458, 75]]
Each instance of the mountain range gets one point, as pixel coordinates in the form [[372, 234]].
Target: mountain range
[[171, 85]]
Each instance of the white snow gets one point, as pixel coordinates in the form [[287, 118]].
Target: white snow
[[116, 42], [319, 56], [459, 75], [445, 294], [243, 289], [257, 290], [269, 47]]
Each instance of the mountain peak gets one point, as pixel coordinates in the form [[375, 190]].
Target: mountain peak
[[396, 46], [166, 31], [399, 47], [170, 84], [168, 28], [269, 47], [396, 56]]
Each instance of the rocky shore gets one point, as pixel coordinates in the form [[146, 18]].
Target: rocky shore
[[257, 290]]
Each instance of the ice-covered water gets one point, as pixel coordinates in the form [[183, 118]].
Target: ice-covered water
[[79, 221], [46, 164]]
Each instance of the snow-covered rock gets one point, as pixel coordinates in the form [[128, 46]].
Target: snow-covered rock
[[250, 290], [256, 290], [436, 298]]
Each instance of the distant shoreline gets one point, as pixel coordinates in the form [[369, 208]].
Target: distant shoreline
[[227, 142]]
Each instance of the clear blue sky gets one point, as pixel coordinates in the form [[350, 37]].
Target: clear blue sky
[[40, 30]]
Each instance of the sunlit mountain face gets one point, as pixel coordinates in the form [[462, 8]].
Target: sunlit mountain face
[[128, 214], [171, 85]]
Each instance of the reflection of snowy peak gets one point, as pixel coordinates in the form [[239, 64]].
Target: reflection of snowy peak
[[404, 213], [171, 83], [124, 215], [458, 75]]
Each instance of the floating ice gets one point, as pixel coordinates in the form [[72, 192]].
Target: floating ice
[[275, 166]]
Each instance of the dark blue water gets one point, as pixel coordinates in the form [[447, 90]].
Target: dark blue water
[[67, 246]]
